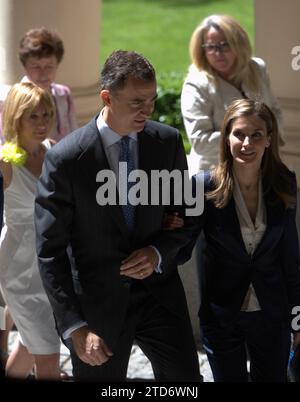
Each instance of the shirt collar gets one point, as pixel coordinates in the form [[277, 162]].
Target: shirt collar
[[109, 136], [26, 79]]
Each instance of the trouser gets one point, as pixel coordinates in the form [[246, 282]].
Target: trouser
[[164, 337], [267, 345], [199, 254]]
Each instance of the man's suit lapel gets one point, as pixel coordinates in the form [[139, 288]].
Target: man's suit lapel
[[93, 159], [150, 158], [150, 150]]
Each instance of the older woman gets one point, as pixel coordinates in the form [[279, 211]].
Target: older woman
[[222, 70], [40, 52]]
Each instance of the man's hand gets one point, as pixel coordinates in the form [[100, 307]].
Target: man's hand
[[140, 264], [90, 348]]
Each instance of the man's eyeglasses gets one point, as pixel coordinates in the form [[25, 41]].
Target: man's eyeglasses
[[211, 48]]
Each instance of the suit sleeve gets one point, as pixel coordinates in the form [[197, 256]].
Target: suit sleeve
[[290, 257], [53, 217], [169, 243]]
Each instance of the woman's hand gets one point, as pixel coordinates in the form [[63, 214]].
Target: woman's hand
[[172, 221]]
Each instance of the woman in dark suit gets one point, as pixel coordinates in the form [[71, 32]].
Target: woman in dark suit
[[250, 281]]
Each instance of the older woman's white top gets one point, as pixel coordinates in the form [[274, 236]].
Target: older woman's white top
[[203, 105]]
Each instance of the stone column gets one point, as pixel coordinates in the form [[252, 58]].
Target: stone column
[[277, 41], [277, 36], [78, 23]]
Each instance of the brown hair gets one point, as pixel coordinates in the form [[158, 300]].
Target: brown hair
[[40, 42], [120, 65], [275, 175]]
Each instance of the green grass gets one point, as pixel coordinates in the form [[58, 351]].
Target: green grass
[[161, 29]]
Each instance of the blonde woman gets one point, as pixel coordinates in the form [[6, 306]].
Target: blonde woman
[[222, 70], [28, 117], [40, 52]]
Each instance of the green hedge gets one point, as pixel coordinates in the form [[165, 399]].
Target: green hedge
[[167, 105]]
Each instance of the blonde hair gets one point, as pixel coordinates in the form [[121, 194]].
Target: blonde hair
[[275, 175], [245, 70], [23, 97]]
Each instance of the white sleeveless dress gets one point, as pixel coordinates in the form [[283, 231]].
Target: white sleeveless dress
[[19, 275]]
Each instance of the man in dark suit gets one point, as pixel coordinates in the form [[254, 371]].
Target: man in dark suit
[[120, 286]]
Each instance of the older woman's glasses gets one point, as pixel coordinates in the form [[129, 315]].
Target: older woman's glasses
[[211, 48]]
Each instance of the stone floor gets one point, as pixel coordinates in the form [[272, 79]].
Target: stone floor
[[139, 366]]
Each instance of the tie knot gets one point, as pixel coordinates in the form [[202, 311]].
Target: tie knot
[[125, 142]]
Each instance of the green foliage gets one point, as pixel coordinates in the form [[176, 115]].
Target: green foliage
[[167, 105], [161, 30]]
